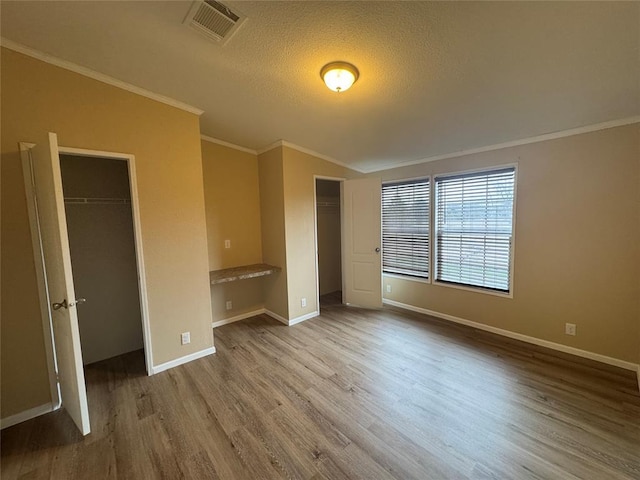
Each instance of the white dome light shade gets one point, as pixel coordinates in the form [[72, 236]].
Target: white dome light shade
[[339, 76]]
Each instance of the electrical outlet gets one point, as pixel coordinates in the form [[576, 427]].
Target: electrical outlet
[[229, 304], [570, 328], [185, 338], [227, 244], [303, 302], [388, 288]]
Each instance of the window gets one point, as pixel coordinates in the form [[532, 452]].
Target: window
[[474, 228], [405, 228]]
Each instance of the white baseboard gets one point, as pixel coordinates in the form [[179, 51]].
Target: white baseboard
[[179, 361], [302, 318], [293, 321], [26, 415], [242, 316], [525, 338], [277, 317]]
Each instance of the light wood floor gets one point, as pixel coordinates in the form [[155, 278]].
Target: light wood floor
[[351, 394]]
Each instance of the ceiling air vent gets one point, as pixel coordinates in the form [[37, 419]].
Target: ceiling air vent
[[214, 19]]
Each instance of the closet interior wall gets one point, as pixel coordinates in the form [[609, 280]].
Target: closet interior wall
[[101, 238]]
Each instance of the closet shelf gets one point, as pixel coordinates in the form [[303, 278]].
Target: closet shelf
[[241, 273], [97, 201]]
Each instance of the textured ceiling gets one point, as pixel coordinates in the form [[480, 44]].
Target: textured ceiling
[[435, 78]]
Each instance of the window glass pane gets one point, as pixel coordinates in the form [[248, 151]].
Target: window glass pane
[[405, 228], [474, 217]]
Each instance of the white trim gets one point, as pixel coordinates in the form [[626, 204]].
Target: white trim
[[142, 276], [302, 318], [315, 239], [471, 288], [409, 278], [514, 143], [101, 77], [34, 412], [284, 143], [242, 316], [293, 321], [217, 141], [518, 336], [43, 294], [182, 360], [276, 316], [278, 143], [137, 229]]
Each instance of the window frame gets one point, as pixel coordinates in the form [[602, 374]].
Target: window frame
[[414, 278], [472, 288]]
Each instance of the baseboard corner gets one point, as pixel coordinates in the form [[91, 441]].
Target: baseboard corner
[[182, 360], [25, 415]]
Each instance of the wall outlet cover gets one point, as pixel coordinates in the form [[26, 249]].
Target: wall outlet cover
[[570, 328], [227, 244], [185, 338], [303, 302], [388, 288], [229, 304]]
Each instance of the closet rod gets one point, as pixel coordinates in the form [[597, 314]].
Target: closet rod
[[96, 201]]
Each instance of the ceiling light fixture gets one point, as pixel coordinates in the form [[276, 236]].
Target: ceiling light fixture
[[339, 76]]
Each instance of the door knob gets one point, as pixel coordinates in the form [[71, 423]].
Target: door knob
[[377, 249], [63, 304]]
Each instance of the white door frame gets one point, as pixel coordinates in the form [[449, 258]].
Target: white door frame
[[43, 295], [315, 228], [142, 286]]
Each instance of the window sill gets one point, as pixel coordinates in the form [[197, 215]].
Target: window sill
[[407, 277]]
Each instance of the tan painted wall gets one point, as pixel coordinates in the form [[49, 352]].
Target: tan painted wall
[[103, 257], [577, 244], [24, 381], [37, 97], [299, 203], [232, 204], [270, 170]]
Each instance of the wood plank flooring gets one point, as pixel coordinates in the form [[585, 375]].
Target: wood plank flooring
[[351, 394]]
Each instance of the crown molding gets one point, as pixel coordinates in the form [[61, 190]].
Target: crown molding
[[87, 72], [217, 141], [515, 143], [284, 143]]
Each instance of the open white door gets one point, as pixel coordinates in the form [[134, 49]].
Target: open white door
[[361, 258], [45, 164]]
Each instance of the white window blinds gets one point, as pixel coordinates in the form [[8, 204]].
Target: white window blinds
[[405, 228], [474, 228]]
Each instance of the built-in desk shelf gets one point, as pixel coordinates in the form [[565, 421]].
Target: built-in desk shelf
[[241, 273]]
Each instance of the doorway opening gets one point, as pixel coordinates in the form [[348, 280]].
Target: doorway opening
[[102, 244], [328, 241], [99, 226]]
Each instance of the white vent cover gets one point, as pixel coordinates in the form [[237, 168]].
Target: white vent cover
[[214, 19]]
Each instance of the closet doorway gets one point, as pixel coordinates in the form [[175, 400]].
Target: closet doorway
[[87, 225], [328, 240], [97, 203]]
